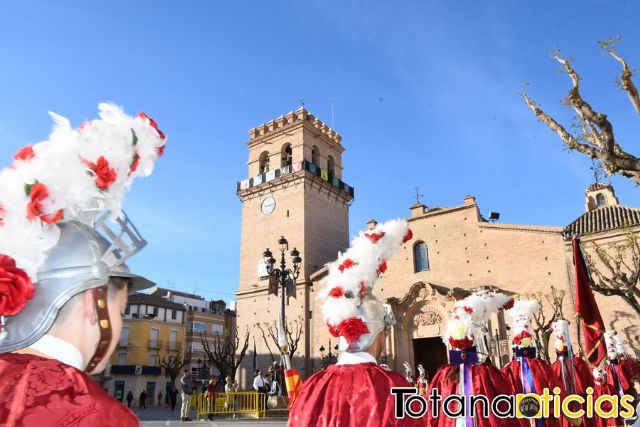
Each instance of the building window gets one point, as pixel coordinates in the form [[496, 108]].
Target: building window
[[174, 314], [153, 360], [600, 200], [287, 156], [204, 310], [217, 329], [264, 162], [198, 327], [420, 257], [331, 165], [315, 156], [127, 310], [122, 358], [155, 311], [173, 340]]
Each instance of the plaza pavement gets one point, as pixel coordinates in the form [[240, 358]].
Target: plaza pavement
[[162, 416]]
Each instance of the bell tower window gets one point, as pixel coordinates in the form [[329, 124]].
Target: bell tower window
[[331, 165], [315, 156], [264, 162], [600, 200], [287, 156]]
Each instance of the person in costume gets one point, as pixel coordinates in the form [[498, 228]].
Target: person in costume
[[64, 283], [618, 374], [422, 380], [469, 371], [408, 373], [355, 391], [569, 367], [601, 388], [527, 372]]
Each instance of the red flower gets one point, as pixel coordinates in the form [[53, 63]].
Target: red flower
[[333, 330], [347, 263], [509, 304], [522, 335], [105, 176], [374, 237], [461, 344], [468, 310], [336, 292], [407, 236], [134, 163], [363, 289], [38, 193], [351, 329], [15, 287], [382, 267], [25, 153], [160, 151], [153, 124]]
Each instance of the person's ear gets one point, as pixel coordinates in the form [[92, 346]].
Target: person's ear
[[89, 309]]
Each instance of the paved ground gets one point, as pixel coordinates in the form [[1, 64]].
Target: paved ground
[[162, 416]]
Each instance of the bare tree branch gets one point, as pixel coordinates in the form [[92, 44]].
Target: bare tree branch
[[596, 129], [172, 366], [224, 353], [542, 325]]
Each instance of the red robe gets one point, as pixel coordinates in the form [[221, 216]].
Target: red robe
[[35, 391], [582, 376], [487, 380], [624, 375], [600, 390], [349, 396], [543, 377]]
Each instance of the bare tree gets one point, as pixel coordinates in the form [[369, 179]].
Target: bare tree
[[292, 330], [172, 365], [223, 352], [620, 269], [595, 137], [542, 322]]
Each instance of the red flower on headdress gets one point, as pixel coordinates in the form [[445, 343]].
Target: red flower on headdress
[[352, 328], [336, 292], [461, 344], [25, 153], [509, 304], [363, 289], [382, 267], [374, 237], [160, 151], [134, 163], [517, 340], [15, 287], [105, 176], [333, 330], [407, 236], [347, 263], [38, 193], [153, 124]]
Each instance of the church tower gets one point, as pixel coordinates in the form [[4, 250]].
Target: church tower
[[599, 195], [294, 189]]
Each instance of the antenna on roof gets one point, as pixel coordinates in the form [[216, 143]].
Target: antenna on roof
[[418, 195]]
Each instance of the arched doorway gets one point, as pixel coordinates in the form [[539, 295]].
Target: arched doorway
[[431, 353]]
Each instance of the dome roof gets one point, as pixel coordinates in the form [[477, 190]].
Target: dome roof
[[602, 219]]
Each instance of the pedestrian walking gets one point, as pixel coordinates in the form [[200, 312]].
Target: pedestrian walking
[[188, 386], [143, 399], [129, 399], [173, 397], [160, 398]]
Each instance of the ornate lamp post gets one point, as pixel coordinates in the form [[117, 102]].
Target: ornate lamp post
[[285, 276], [326, 363]]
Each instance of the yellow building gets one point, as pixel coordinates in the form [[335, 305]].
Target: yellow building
[[154, 328]]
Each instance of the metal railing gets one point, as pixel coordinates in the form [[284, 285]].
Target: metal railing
[[234, 403]]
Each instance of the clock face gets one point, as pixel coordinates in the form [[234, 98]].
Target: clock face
[[268, 205]]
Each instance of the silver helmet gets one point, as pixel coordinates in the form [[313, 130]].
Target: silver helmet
[[378, 319], [84, 257]]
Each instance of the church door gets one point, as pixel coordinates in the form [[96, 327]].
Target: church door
[[431, 353]]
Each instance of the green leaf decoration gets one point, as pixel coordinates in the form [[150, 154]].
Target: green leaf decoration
[[348, 294], [134, 136]]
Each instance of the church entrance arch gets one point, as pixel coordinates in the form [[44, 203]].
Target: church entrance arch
[[421, 317]]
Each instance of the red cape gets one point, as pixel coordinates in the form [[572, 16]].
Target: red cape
[[624, 376], [600, 390], [543, 377], [583, 376], [487, 381], [35, 391], [349, 396]]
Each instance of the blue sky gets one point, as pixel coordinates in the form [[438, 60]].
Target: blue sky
[[425, 93]]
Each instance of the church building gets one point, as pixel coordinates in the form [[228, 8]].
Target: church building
[[297, 188]]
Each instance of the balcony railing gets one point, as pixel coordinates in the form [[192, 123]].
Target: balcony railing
[[123, 344], [293, 168], [154, 344]]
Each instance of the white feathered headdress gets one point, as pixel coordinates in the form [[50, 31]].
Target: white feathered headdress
[[470, 314], [352, 276], [521, 322], [76, 174]]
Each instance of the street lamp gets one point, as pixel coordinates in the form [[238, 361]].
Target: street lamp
[[285, 276], [328, 356]]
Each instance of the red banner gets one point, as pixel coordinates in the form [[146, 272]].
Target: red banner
[[587, 309]]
